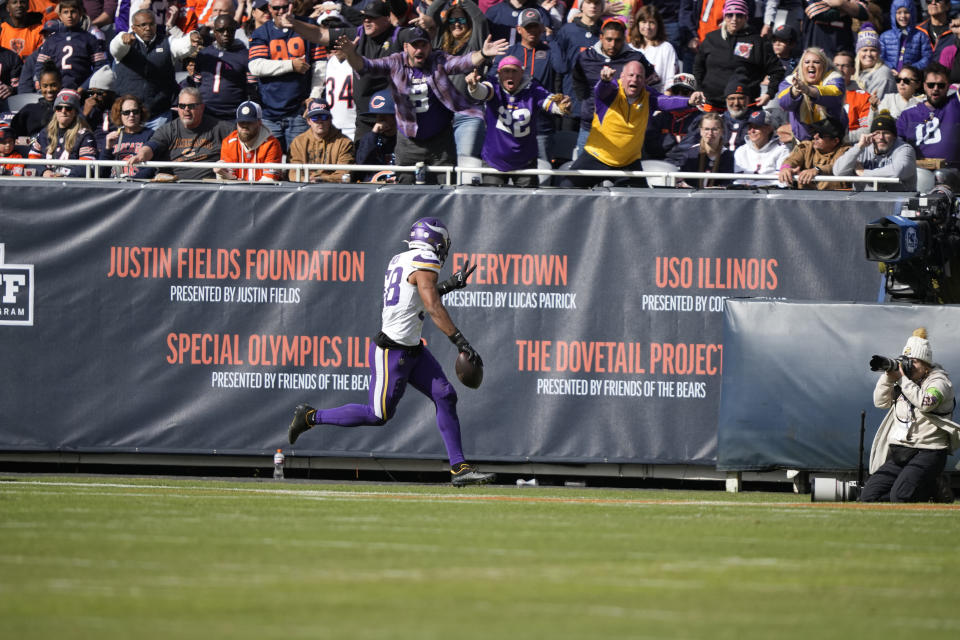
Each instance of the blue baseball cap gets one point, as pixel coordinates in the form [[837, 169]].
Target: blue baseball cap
[[381, 102], [317, 108], [759, 118], [249, 111]]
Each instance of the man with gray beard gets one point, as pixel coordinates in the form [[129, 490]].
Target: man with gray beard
[[739, 102], [880, 153]]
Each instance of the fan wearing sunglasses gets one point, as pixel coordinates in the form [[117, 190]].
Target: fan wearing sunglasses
[[933, 126], [322, 143], [193, 136], [128, 115], [67, 137], [908, 92], [98, 98], [463, 29], [937, 24]]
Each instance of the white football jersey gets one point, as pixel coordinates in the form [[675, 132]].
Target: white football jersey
[[403, 309], [338, 93]]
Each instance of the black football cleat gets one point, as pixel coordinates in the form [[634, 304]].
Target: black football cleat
[[302, 421], [465, 474]]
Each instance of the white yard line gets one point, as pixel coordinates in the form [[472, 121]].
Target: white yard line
[[443, 495]]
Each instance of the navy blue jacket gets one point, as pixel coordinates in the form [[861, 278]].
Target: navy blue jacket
[[147, 72], [568, 42], [502, 19]]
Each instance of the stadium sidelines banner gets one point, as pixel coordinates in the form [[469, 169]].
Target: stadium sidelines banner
[[193, 318], [796, 403]]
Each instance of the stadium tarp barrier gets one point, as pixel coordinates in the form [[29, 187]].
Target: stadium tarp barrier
[[193, 318], [797, 377]]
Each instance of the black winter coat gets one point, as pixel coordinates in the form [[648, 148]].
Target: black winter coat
[[745, 52]]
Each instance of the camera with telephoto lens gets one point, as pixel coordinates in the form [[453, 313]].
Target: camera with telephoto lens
[[834, 490], [916, 247], [883, 363]]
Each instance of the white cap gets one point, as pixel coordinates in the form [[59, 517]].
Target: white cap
[[919, 347], [329, 14], [102, 79], [682, 80]]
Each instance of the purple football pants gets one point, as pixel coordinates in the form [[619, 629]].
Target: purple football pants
[[390, 371]]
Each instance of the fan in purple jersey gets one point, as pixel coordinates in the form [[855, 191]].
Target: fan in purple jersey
[[424, 95], [398, 355], [514, 102], [933, 126]]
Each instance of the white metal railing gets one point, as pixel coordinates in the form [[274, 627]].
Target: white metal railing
[[669, 178]]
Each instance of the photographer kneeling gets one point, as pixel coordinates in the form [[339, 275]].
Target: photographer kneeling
[[912, 444]]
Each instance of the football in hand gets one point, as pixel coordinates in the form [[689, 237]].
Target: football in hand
[[470, 374]]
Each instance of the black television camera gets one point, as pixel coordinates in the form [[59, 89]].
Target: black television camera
[[883, 363], [916, 247]]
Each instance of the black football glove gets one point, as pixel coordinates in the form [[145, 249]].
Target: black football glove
[[464, 347], [457, 280]]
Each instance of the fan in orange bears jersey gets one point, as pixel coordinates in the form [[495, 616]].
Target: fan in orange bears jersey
[[20, 32], [250, 142]]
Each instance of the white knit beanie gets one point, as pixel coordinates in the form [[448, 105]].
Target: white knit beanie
[[919, 347]]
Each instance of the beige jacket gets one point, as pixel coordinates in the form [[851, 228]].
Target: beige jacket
[[804, 156], [336, 148], [919, 416]]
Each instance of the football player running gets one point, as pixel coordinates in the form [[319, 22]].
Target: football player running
[[397, 356]]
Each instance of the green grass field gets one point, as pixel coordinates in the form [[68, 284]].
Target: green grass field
[[106, 558]]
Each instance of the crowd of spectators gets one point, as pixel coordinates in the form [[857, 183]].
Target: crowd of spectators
[[776, 87]]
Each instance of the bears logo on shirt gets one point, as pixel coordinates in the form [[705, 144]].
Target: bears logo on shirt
[[743, 49]]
